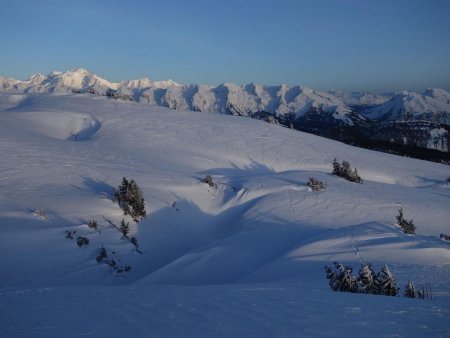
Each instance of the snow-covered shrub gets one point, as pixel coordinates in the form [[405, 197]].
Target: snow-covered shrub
[[340, 278], [111, 262], [386, 282], [209, 181], [41, 213], [410, 291], [126, 268], [82, 241], [315, 185], [70, 233], [345, 171], [130, 199], [124, 229], [445, 237], [367, 279], [407, 227], [101, 255], [92, 224]]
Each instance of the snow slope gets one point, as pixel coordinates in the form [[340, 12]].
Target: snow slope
[[245, 258]]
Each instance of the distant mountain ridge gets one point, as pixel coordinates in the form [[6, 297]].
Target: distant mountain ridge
[[324, 113]]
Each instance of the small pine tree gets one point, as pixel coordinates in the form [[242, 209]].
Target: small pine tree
[[137, 202], [407, 227], [421, 293], [341, 278], [124, 229], [386, 282], [410, 291], [337, 170], [332, 278], [366, 281], [354, 177]]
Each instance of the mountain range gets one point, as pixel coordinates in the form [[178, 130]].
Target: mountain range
[[420, 120]]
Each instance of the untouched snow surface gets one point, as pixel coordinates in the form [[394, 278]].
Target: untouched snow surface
[[243, 259]]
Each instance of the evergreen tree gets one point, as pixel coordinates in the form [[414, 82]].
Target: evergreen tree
[[407, 227], [386, 282], [130, 199], [341, 278], [337, 168], [332, 278], [410, 291], [347, 281], [137, 202], [366, 282]]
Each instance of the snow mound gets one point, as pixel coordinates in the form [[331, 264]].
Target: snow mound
[[60, 125]]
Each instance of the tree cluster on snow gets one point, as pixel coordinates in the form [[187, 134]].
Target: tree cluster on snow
[[345, 171], [407, 227], [130, 199], [340, 278]]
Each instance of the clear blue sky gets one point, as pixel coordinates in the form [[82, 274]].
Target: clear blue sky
[[377, 45]]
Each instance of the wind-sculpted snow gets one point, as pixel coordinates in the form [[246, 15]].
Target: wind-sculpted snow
[[59, 125], [243, 257]]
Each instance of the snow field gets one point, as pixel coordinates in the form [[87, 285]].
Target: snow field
[[245, 258]]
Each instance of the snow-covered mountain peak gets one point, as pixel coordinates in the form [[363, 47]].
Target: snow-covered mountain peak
[[136, 83], [35, 78], [438, 94], [166, 84], [432, 105], [77, 79]]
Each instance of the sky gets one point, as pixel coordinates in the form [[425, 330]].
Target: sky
[[352, 45]]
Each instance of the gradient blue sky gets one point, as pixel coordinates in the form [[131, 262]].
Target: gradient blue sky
[[374, 45]]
